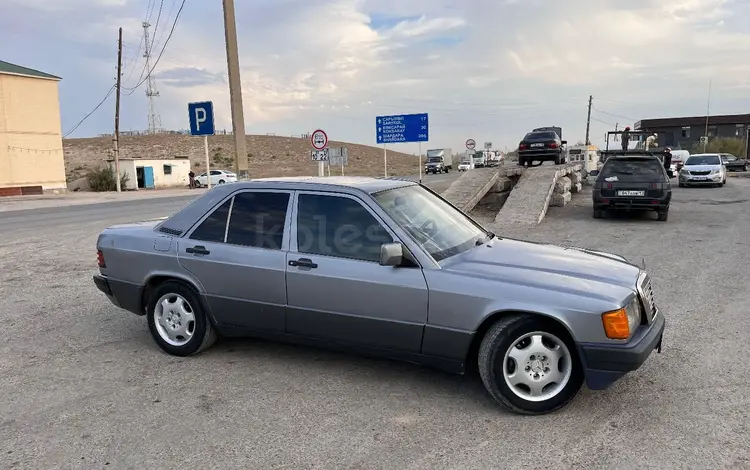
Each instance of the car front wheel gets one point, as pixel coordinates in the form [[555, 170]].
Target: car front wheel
[[177, 320], [528, 365]]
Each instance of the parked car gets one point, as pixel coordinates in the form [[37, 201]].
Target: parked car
[[372, 266], [732, 163], [541, 146], [217, 177], [632, 181], [703, 169]]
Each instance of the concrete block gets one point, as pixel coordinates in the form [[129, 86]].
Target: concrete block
[[560, 199], [495, 199], [576, 188], [575, 177], [503, 184], [563, 185]]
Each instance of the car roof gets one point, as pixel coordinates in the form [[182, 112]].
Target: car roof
[[180, 222]]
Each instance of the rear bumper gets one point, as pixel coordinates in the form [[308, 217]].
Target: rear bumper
[[121, 294], [543, 154], [632, 203], [605, 364]]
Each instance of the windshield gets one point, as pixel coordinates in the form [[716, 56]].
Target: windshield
[[728, 158], [441, 230], [703, 160], [540, 136], [434, 159], [633, 169]]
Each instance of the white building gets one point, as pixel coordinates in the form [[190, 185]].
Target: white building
[[154, 174]]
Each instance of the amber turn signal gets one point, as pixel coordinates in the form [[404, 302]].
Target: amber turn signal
[[616, 324]]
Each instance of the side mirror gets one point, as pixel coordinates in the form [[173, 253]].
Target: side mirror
[[564, 142], [391, 254], [594, 173]]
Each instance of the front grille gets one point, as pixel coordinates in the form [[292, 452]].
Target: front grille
[[646, 293], [700, 173]]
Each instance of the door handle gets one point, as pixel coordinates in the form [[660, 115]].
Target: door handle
[[197, 250], [303, 263]]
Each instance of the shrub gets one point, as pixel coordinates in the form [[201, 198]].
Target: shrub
[[103, 179], [731, 145]]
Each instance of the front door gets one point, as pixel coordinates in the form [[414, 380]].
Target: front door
[[238, 252], [148, 177], [336, 288]]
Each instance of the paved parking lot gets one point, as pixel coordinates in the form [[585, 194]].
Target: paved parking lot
[[84, 386]]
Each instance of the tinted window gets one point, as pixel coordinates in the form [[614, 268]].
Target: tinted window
[[338, 226], [257, 219], [630, 169], [212, 229], [703, 160], [214, 172], [540, 136]]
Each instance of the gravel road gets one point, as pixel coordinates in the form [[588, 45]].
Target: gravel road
[[84, 386]]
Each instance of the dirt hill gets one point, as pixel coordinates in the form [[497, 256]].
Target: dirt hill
[[267, 155]]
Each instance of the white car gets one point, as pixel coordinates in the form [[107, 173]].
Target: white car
[[703, 169], [464, 166], [217, 177]]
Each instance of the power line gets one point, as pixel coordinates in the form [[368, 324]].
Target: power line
[[614, 115], [90, 113], [603, 122], [156, 26], [166, 42]]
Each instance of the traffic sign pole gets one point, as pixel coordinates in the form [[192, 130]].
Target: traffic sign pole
[[385, 161], [420, 163], [208, 163]]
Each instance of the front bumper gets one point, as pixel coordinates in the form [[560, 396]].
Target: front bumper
[[702, 179], [436, 169], [606, 363]]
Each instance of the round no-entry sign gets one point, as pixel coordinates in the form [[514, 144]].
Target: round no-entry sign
[[470, 144], [319, 139]]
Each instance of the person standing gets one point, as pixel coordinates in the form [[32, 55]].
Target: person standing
[[191, 175], [667, 159], [625, 138], [651, 141]]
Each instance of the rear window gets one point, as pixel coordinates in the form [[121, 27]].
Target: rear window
[[703, 160], [540, 136], [630, 169]]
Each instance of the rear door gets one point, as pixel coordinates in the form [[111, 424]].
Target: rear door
[[633, 179], [238, 252]]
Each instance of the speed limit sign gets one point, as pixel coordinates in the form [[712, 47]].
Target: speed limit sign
[[319, 139]]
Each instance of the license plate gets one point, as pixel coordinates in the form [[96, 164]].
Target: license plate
[[631, 193], [537, 145], [699, 178]]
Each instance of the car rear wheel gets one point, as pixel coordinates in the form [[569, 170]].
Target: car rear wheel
[[662, 215], [520, 161], [529, 365], [177, 320], [598, 213], [222, 181]]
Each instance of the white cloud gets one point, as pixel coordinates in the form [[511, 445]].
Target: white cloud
[[483, 69]]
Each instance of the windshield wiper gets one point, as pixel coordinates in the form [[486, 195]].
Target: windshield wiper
[[490, 236]]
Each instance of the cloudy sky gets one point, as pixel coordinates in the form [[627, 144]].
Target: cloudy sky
[[485, 69]]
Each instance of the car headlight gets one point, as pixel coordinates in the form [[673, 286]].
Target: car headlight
[[621, 323], [684, 170], [715, 172]]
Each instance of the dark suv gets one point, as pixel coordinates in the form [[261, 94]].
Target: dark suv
[[631, 182], [541, 146]]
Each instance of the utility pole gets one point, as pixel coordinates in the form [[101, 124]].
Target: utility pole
[[117, 113], [588, 121], [235, 91]]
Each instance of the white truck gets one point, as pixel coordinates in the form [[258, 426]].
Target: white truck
[[439, 161]]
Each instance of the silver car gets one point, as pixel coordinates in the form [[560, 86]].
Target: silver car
[[384, 267], [703, 169]]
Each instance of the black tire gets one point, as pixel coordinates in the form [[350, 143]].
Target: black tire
[[598, 213], [197, 184], [498, 340], [521, 161], [662, 215], [682, 185], [203, 332], [222, 181]]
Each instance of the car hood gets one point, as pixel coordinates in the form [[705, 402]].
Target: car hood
[[567, 269], [701, 167]]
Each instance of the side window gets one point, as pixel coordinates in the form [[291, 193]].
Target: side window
[[212, 229], [215, 172], [258, 219], [338, 226]]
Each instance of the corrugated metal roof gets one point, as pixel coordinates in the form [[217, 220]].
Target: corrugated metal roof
[[8, 68], [693, 121]]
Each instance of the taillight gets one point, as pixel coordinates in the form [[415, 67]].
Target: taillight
[[100, 259], [523, 147], [654, 185], [553, 145]]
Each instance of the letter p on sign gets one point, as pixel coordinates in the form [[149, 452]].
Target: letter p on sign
[[201, 116]]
